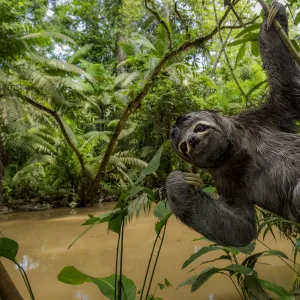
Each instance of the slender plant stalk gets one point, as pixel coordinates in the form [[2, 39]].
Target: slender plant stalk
[[116, 267], [155, 263], [282, 259], [148, 267], [121, 260], [234, 285], [25, 278]]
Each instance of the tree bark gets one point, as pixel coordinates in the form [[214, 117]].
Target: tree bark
[[8, 290]]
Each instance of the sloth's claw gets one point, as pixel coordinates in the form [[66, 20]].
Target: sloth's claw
[[193, 179], [271, 16]]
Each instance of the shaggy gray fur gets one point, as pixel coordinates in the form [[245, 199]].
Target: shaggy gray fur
[[254, 157]]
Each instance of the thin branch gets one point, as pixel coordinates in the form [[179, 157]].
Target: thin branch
[[60, 124], [239, 26], [285, 39], [227, 59], [182, 21], [162, 22], [136, 102]]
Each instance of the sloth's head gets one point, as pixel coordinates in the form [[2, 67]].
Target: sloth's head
[[202, 138]]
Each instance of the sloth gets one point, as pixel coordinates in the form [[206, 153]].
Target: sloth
[[253, 157]]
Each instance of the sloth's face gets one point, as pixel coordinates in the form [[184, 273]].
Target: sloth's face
[[199, 139]]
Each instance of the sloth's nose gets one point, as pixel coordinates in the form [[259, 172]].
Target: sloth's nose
[[193, 140]]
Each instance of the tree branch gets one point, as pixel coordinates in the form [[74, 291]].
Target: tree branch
[[136, 102], [162, 22], [285, 39], [182, 21], [60, 124]]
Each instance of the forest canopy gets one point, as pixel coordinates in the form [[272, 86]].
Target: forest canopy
[[90, 89]]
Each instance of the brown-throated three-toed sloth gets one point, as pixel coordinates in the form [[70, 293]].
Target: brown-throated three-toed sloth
[[254, 157]]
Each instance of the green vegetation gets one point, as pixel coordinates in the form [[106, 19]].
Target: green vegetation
[[88, 93]]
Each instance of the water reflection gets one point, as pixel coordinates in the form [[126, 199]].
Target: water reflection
[[28, 263], [80, 295]]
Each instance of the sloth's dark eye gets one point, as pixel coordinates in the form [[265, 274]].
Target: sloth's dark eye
[[200, 128], [183, 148]]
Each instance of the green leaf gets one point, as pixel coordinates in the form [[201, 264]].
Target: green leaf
[[250, 261], [106, 285], [280, 291], [296, 45], [297, 19], [189, 281], [255, 48], [241, 54], [45, 34], [250, 37], [247, 249], [248, 29], [258, 85], [71, 275], [8, 248], [162, 212], [199, 253], [203, 277], [254, 289], [142, 40], [167, 282], [239, 269], [153, 164], [210, 190], [296, 250], [114, 224], [161, 286]]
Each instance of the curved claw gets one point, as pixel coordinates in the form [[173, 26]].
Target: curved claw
[[271, 16], [193, 179]]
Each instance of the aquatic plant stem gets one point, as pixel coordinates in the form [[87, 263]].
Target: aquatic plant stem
[[116, 267], [149, 263], [121, 260], [155, 263]]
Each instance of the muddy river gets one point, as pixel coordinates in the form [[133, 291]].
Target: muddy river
[[44, 237]]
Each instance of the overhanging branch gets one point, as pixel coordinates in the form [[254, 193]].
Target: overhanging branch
[[60, 124]]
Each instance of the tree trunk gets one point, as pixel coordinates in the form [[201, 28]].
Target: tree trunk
[[8, 290]]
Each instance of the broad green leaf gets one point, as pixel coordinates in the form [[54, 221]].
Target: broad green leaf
[[142, 40], [8, 248], [106, 285], [247, 249], [239, 269], [254, 289], [248, 29], [250, 37], [297, 19], [159, 225], [71, 275], [241, 54], [280, 291], [203, 277], [199, 253], [162, 212], [254, 48], [115, 223], [227, 257], [153, 164], [210, 190]]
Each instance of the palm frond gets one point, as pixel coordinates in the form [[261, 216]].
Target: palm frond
[[47, 34]]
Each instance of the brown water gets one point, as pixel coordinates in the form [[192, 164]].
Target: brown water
[[44, 237]]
